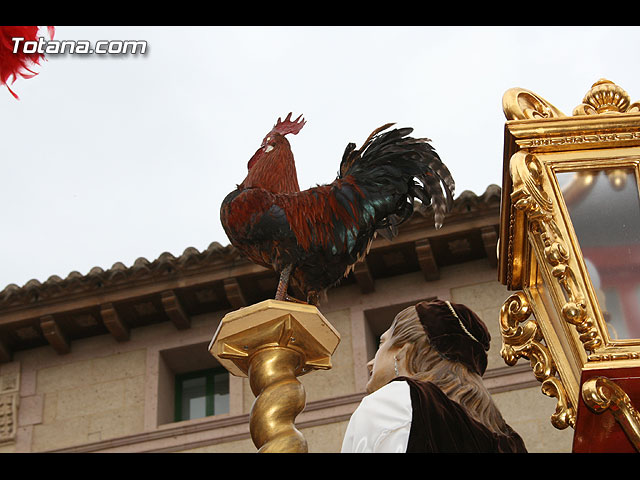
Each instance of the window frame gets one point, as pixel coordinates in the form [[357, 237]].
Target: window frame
[[209, 375]]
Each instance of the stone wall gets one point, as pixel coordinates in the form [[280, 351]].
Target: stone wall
[[111, 396]]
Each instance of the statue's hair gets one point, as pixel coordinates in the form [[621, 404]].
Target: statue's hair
[[454, 378]]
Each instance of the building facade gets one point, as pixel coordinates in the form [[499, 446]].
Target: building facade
[[117, 360]]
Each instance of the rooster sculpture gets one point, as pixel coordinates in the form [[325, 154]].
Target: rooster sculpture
[[313, 238]]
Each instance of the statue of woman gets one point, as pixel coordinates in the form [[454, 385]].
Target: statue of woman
[[425, 392]]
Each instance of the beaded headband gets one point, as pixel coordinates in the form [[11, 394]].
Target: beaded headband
[[464, 329]]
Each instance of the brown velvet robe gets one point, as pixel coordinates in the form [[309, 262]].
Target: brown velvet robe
[[440, 425]]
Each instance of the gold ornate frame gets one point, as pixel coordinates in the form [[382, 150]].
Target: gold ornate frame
[[554, 319]]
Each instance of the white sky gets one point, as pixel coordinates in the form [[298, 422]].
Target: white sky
[[108, 158]]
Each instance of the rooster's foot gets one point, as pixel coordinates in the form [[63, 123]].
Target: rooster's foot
[[289, 298], [283, 283]]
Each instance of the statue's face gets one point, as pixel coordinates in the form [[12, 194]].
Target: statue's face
[[382, 367]]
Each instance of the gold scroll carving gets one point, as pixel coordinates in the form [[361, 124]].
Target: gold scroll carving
[[523, 339]]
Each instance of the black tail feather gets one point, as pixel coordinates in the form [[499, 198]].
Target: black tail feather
[[388, 164]]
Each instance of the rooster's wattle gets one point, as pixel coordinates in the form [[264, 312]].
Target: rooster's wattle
[[313, 238]]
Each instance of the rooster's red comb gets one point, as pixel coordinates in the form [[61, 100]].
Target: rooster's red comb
[[288, 126], [18, 63]]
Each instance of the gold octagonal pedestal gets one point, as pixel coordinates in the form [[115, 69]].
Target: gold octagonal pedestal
[[272, 343]]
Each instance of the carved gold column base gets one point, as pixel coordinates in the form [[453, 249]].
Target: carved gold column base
[[272, 343], [601, 394]]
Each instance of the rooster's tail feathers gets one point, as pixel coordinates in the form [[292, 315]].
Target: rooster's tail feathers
[[403, 169]]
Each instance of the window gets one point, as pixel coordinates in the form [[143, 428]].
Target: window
[[201, 394], [178, 386]]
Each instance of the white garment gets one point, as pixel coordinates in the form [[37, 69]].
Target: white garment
[[382, 421]]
